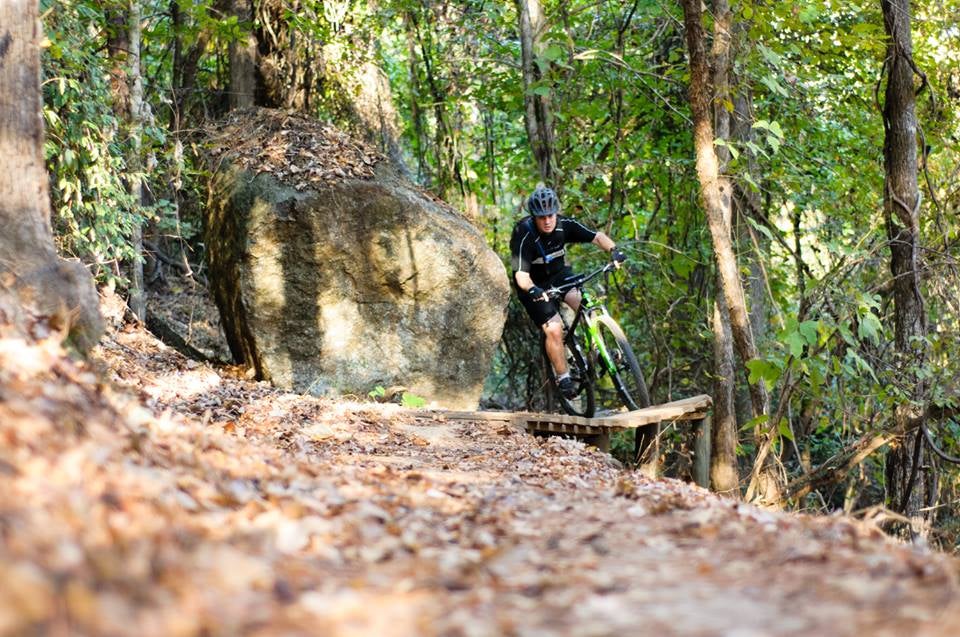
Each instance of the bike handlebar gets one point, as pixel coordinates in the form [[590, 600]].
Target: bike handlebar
[[557, 291]]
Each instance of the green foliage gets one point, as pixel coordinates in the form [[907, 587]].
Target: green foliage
[[89, 143], [412, 401], [815, 251], [407, 399], [93, 211]]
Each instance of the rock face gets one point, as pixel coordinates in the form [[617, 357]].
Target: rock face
[[339, 284]]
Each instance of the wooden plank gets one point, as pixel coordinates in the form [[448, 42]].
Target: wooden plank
[[486, 416], [692, 408]]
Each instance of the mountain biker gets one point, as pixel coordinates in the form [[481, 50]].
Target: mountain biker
[[537, 255]]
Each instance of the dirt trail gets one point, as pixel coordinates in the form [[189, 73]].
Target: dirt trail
[[223, 507]]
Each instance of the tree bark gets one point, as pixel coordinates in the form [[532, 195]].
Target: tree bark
[[537, 115], [243, 58], [716, 192], [30, 271], [185, 66], [723, 464], [724, 478], [137, 298], [416, 98], [747, 205], [901, 207]]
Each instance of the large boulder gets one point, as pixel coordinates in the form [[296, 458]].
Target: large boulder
[[335, 275]]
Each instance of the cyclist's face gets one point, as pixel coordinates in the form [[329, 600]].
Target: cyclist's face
[[546, 224]]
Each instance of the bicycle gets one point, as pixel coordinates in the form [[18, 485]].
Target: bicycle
[[597, 350]]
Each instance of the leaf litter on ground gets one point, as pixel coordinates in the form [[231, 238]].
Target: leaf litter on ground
[[147, 494]]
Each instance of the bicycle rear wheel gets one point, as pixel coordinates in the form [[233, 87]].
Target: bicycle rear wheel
[[623, 368], [583, 403]]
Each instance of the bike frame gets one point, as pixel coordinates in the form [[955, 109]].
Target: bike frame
[[589, 311]]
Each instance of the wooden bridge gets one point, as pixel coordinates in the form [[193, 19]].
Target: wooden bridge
[[597, 430]]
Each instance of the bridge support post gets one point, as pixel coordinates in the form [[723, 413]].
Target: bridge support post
[[701, 451], [646, 449], [601, 441]]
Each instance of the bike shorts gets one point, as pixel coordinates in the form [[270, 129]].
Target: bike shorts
[[542, 311]]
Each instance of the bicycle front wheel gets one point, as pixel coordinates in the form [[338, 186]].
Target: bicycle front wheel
[[621, 364]]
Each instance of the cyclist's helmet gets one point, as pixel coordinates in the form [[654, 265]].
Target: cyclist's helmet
[[543, 202]]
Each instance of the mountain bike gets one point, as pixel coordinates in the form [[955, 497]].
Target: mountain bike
[[601, 362]]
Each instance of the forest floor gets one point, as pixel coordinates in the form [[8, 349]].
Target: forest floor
[[150, 494]]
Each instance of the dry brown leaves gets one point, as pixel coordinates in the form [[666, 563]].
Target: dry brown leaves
[[297, 150], [162, 497]]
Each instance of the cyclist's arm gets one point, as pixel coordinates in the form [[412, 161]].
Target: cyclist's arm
[[604, 242], [524, 282]]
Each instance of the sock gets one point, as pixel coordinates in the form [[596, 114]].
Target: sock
[[563, 375]]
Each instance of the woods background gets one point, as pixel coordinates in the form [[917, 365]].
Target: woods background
[[800, 266]]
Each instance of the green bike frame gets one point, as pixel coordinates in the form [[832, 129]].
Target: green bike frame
[[591, 310]]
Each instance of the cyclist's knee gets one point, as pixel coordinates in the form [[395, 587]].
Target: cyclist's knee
[[573, 299], [553, 328]]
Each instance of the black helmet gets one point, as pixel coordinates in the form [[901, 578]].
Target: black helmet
[[543, 202]]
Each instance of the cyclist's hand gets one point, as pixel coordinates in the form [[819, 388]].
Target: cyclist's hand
[[537, 294], [618, 257]]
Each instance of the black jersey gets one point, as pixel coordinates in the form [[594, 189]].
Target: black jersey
[[541, 255]]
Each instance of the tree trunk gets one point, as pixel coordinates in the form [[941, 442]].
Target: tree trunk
[[537, 116], [137, 299], [747, 205], [30, 270], [723, 463], [716, 191], [185, 64], [243, 58], [724, 478], [618, 194], [901, 207], [448, 174], [416, 98]]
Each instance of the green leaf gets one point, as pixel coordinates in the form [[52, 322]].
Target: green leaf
[[753, 148], [553, 52], [771, 82], [846, 334], [784, 429], [861, 364], [769, 55], [725, 144], [809, 330], [412, 401], [869, 327], [809, 14], [753, 423], [682, 265], [754, 187], [761, 369], [795, 343]]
